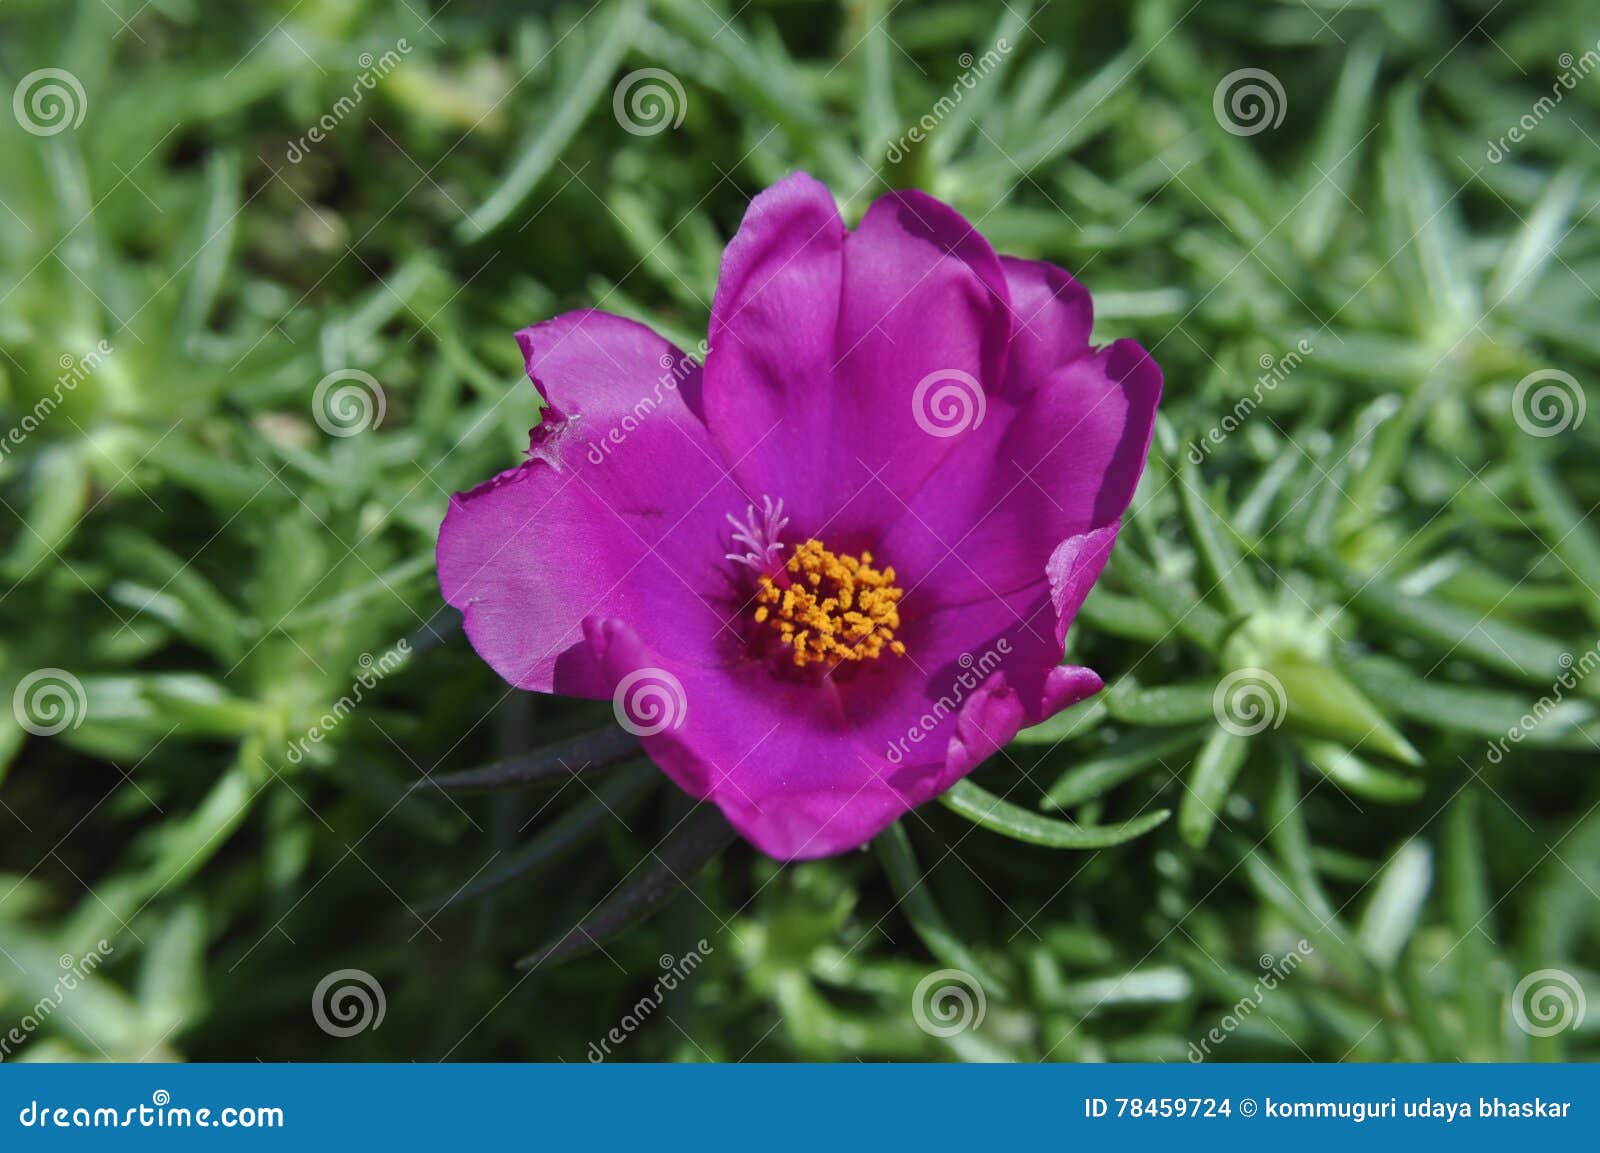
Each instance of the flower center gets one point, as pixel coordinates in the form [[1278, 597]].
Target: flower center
[[827, 606]]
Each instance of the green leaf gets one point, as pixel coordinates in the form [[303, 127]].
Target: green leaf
[[1322, 702], [1567, 530], [1396, 904], [1481, 712], [1516, 652], [1466, 893], [1184, 613], [1210, 783], [1355, 776], [1215, 544], [1132, 754], [564, 113], [1122, 616], [59, 480], [1162, 705], [1157, 985], [1335, 161], [1534, 246], [982, 807], [915, 900], [1073, 721]]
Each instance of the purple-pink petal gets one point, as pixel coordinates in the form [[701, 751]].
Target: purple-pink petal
[[619, 510]]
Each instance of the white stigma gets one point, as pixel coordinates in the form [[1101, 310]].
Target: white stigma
[[759, 540]]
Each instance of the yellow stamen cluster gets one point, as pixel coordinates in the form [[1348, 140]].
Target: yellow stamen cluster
[[836, 607]]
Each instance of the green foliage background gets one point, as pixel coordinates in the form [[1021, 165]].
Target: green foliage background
[[1380, 535]]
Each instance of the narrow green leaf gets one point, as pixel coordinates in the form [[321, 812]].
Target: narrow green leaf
[[1425, 222], [1396, 903], [1534, 246], [1355, 776], [1073, 721], [1162, 705], [1467, 905], [1214, 542], [1322, 702], [1327, 938], [1163, 985], [213, 246], [1516, 652], [59, 480], [565, 114], [1186, 614], [876, 118], [983, 808], [1487, 713], [1567, 530], [913, 897], [1001, 41], [1109, 612], [1132, 754], [1289, 836], [1210, 782], [1335, 160]]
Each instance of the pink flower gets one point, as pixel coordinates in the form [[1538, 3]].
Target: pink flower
[[826, 575]]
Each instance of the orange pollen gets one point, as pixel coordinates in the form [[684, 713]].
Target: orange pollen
[[834, 607]]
